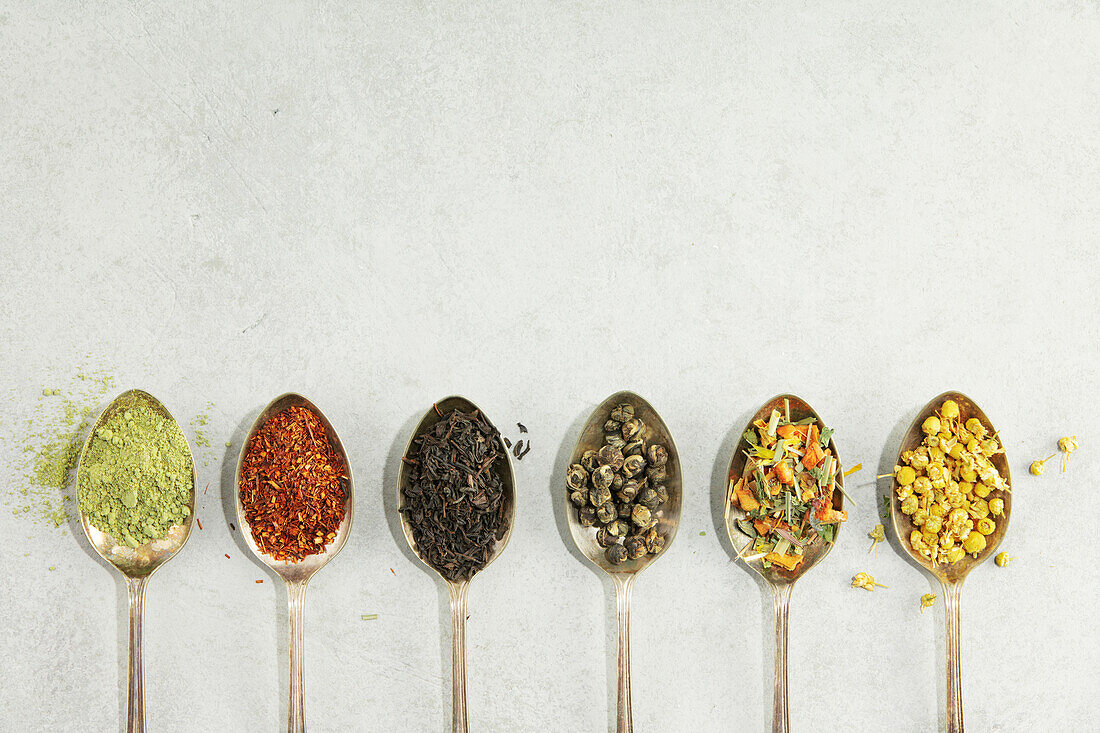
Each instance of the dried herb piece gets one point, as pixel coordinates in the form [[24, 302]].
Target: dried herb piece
[[454, 500]]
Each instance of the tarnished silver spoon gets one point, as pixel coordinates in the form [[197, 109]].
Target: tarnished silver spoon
[[459, 589], [668, 521], [951, 575], [781, 580], [137, 564], [296, 575]]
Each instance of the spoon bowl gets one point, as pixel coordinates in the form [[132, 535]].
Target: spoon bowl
[[667, 515], [815, 551], [296, 574], [458, 589], [304, 569], [779, 578], [141, 561], [903, 523], [434, 415], [137, 564], [668, 522], [951, 575]]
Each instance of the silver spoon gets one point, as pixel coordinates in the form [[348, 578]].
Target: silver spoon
[[668, 521], [137, 564], [296, 574], [951, 575], [459, 589], [781, 580]]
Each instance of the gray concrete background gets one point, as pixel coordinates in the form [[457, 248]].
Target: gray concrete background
[[536, 205]]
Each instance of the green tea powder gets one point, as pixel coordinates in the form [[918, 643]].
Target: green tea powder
[[135, 481]]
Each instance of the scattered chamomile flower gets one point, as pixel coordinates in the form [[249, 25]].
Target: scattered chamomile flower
[[927, 601], [878, 534], [866, 581], [1067, 445], [1003, 559], [1036, 467]]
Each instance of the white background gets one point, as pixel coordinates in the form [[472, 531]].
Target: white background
[[535, 205]]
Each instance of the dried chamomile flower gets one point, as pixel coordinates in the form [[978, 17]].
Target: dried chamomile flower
[[866, 581], [1067, 445], [1003, 559], [878, 534], [927, 601], [943, 486], [996, 506], [949, 410], [1036, 467]]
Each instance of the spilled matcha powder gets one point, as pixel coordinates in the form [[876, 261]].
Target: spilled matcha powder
[[51, 445], [136, 478]]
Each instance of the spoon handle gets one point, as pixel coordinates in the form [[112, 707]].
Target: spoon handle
[[951, 596], [296, 710], [781, 596], [135, 698], [624, 586], [459, 590]]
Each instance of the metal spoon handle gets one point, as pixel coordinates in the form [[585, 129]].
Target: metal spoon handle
[[781, 596], [135, 698], [296, 710], [459, 590], [624, 586], [951, 597]]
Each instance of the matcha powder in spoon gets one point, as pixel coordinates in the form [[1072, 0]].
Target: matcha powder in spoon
[[135, 480]]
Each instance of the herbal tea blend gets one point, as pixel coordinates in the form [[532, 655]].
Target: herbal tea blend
[[136, 478], [620, 486], [949, 487], [293, 486], [786, 489], [454, 500]]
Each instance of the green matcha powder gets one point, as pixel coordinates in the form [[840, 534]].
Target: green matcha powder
[[136, 479]]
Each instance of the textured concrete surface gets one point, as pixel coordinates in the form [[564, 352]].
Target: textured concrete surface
[[535, 205]]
